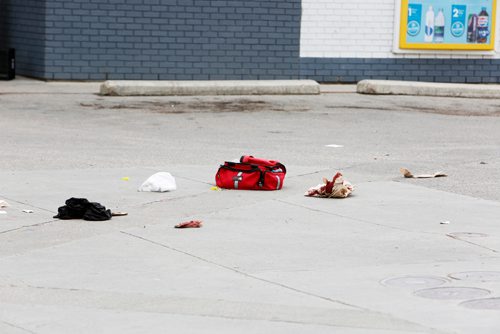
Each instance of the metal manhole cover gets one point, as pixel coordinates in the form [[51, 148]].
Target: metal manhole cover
[[452, 293], [483, 304], [415, 281], [467, 235], [477, 276]]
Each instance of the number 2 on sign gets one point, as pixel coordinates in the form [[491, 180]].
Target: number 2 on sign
[[456, 12]]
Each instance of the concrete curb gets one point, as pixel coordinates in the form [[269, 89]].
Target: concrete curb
[[388, 87], [224, 87]]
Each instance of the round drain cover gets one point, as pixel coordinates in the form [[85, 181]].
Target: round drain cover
[[477, 276], [452, 293], [414, 281], [483, 304], [467, 235]]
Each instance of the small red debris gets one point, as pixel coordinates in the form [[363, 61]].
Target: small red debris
[[190, 224]]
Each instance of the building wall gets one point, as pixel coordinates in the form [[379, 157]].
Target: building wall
[[324, 40], [355, 40], [172, 39], [361, 29], [351, 70], [347, 29], [24, 22]]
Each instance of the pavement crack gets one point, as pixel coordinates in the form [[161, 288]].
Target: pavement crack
[[27, 204], [246, 274], [310, 173], [385, 226], [170, 199], [281, 285], [218, 308], [348, 217], [42, 287], [17, 327], [472, 243], [194, 180], [27, 226]]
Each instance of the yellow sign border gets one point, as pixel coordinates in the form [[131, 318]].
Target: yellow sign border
[[403, 44]]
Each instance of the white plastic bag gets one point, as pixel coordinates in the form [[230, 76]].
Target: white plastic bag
[[159, 182]]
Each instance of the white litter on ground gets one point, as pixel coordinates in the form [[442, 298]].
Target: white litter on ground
[[159, 182], [406, 173]]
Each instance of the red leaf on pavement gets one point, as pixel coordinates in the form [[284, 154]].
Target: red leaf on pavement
[[190, 224]]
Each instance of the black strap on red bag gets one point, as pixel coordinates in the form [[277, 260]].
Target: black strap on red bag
[[251, 174]]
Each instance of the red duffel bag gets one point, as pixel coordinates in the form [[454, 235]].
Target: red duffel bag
[[251, 174]]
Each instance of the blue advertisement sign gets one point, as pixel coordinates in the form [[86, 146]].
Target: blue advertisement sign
[[457, 28], [414, 15], [445, 24]]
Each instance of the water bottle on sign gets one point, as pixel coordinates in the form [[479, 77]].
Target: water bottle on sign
[[439, 27], [429, 25]]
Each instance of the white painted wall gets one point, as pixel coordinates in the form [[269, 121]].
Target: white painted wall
[[361, 29]]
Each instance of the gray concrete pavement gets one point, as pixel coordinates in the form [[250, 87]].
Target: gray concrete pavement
[[273, 262]]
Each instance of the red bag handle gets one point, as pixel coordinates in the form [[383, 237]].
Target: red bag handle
[[262, 162]]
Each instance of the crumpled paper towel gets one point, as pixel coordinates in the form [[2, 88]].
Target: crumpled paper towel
[[337, 188]]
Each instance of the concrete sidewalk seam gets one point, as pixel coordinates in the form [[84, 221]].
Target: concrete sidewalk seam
[[17, 327], [243, 273], [350, 218], [28, 226], [472, 243]]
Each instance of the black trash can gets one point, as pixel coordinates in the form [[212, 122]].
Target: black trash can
[[7, 64]]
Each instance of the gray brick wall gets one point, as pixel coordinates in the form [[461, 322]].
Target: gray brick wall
[[24, 30], [351, 70], [168, 39], [193, 40]]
